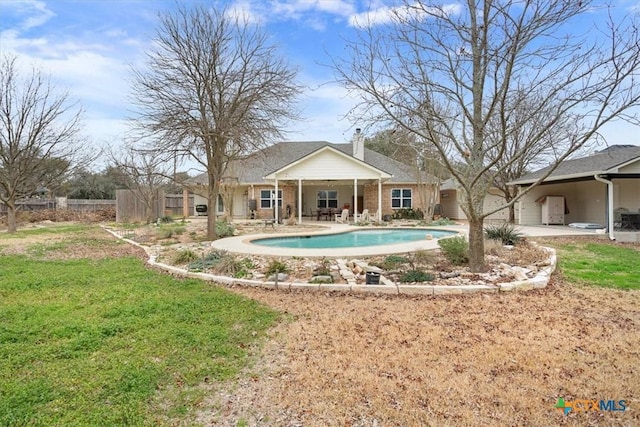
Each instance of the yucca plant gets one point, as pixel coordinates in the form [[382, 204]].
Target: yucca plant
[[505, 233]]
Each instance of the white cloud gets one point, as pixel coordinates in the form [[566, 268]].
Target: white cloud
[[299, 9], [29, 13], [385, 14], [244, 11]]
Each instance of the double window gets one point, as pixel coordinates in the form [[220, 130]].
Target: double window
[[401, 198], [266, 201], [327, 199]]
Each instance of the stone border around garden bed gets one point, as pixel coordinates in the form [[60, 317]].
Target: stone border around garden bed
[[541, 280]]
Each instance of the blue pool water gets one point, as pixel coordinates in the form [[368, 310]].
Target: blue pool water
[[352, 239]]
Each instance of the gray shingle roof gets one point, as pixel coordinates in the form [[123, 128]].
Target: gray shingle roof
[[601, 162], [272, 158]]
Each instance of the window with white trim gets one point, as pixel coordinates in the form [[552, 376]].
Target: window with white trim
[[401, 198], [265, 199], [327, 199]]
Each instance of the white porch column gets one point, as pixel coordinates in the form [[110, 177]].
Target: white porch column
[[276, 213], [379, 199], [355, 199], [299, 200]]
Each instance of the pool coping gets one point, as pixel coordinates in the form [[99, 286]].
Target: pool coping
[[243, 245], [540, 280]]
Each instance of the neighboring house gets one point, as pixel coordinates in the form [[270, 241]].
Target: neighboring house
[[308, 176], [593, 188], [451, 198]]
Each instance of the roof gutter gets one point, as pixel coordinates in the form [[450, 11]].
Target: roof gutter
[[610, 218]]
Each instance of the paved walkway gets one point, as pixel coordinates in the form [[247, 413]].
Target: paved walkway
[[242, 244]]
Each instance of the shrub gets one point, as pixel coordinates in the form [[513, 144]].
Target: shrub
[[393, 261], [184, 257], [207, 261], [408, 213], [276, 266], [165, 219], [324, 269], [443, 221], [166, 232], [416, 276], [455, 249], [224, 229], [396, 259], [505, 232], [424, 257], [246, 265]]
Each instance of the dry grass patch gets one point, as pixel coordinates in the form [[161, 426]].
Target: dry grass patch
[[501, 359]]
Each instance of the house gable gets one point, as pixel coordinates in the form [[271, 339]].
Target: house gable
[[328, 163], [632, 167]]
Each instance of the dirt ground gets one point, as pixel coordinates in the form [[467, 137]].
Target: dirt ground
[[339, 359], [500, 359]]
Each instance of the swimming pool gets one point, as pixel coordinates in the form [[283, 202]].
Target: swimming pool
[[354, 239]]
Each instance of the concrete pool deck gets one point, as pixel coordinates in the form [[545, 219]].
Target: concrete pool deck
[[243, 245]]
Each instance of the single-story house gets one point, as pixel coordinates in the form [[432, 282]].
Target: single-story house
[[451, 198], [312, 176], [587, 190]]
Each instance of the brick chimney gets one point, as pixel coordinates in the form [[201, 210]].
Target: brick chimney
[[358, 144]]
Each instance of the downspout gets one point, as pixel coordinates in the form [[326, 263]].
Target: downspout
[[610, 217]]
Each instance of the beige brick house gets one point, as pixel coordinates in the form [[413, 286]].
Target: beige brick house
[[311, 177]]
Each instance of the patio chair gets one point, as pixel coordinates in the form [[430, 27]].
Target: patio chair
[[617, 217], [374, 218], [323, 212], [364, 216], [343, 217]]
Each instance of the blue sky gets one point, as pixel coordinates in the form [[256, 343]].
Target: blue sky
[[88, 46]]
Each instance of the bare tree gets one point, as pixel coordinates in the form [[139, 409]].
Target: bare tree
[[213, 91], [516, 144], [420, 156], [446, 73], [39, 129], [148, 174]]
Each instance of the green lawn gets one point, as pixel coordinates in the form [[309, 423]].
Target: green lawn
[[109, 342], [599, 264]]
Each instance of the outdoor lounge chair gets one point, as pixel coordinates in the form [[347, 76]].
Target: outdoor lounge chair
[[364, 216], [343, 217], [374, 218]]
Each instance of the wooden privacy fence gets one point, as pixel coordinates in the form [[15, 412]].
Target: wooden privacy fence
[[173, 204], [131, 207], [57, 203]]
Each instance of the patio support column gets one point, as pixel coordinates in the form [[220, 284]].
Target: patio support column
[[610, 218], [299, 200], [379, 199], [355, 199], [276, 213]]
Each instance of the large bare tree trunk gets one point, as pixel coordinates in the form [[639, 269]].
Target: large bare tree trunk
[[476, 244], [11, 218], [512, 214], [212, 199]]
